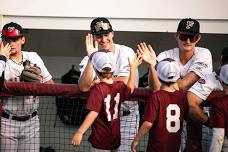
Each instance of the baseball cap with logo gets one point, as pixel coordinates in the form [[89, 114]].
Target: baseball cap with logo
[[12, 31], [168, 70], [100, 25], [103, 59], [189, 26], [224, 74]]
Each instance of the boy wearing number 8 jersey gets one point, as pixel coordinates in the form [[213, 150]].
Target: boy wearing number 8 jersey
[[104, 103], [165, 111]]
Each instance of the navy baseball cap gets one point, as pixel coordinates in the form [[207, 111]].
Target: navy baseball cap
[[12, 31], [189, 26], [100, 25]]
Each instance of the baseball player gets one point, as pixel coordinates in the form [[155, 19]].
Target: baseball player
[[104, 103], [165, 111], [19, 121], [202, 89], [101, 37], [194, 62], [218, 119]]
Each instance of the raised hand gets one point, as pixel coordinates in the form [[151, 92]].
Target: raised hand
[[136, 62], [91, 46], [147, 53], [5, 50]]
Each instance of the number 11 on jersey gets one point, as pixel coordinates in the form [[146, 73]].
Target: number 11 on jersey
[[107, 104]]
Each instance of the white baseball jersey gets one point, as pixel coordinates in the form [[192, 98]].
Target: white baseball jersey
[[205, 85], [24, 105], [200, 63]]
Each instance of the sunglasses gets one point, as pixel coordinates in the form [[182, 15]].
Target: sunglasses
[[185, 37]]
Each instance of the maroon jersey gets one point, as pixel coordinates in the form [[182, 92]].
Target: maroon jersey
[[106, 100], [219, 113], [166, 110]]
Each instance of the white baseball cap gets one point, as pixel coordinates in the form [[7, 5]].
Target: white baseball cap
[[224, 73], [103, 59], [168, 70]]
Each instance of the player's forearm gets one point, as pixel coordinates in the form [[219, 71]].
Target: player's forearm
[[195, 111], [197, 114], [131, 80], [154, 82], [86, 78], [187, 81], [92, 115], [143, 130]]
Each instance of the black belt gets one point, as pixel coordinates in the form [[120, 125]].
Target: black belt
[[19, 118]]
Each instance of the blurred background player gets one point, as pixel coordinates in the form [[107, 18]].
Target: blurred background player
[[165, 112], [101, 37], [104, 103], [218, 119], [194, 62], [19, 121], [200, 92]]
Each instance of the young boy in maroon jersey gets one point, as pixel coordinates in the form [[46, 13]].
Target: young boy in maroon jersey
[[104, 103], [165, 111], [218, 119]]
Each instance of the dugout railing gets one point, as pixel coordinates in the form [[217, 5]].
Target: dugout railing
[[55, 135]]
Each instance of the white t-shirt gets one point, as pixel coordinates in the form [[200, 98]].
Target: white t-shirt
[[23, 105], [200, 63], [205, 85], [122, 53]]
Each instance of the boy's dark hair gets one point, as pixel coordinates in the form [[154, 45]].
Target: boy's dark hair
[[167, 83], [107, 74]]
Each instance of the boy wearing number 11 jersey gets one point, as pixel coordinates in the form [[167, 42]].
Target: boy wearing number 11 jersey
[[165, 111], [104, 103]]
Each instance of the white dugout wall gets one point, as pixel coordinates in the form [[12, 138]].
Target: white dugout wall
[[65, 22], [126, 15]]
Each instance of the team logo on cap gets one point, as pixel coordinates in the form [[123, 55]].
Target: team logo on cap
[[189, 24], [11, 29], [102, 26]]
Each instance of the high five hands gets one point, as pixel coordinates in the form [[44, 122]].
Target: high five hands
[[147, 53], [91, 45]]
